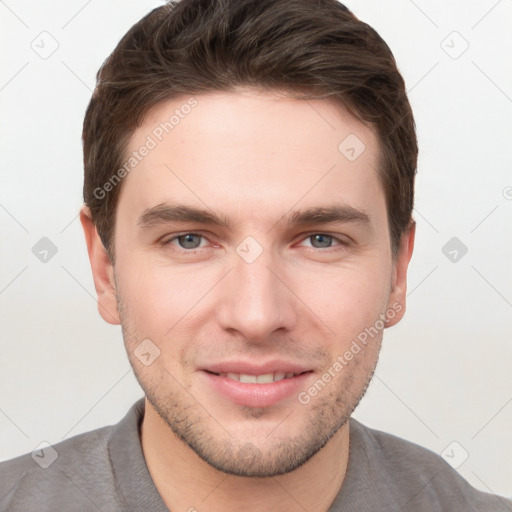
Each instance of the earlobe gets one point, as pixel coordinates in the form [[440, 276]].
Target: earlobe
[[102, 269], [397, 297]]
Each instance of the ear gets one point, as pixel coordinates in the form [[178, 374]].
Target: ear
[[102, 269], [397, 297]]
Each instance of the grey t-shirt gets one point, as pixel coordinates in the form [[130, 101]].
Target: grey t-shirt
[[104, 470]]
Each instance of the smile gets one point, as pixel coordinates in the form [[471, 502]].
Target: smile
[[256, 389], [265, 378]]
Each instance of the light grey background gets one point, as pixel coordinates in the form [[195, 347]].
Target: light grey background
[[445, 371]]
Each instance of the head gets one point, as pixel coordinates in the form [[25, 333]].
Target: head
[[249, 179]]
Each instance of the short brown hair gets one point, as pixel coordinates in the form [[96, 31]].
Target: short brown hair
[[315, 48]]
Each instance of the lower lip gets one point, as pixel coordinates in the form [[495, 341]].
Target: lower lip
[[257, 395]]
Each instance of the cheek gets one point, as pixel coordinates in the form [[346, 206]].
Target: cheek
[[159, 301], [348, 300]]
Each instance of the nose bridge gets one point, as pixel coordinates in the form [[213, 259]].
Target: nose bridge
[[254, 300]]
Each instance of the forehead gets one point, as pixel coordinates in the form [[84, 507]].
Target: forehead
[[251, 152]]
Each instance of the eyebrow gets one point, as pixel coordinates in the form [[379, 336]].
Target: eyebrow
[[166, 213], [328, 215]]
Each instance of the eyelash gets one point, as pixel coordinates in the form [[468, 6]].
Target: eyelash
[[167, 242]]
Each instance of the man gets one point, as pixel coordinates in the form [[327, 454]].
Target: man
[[249, 178]]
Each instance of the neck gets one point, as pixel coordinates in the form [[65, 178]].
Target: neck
[[186, 482]]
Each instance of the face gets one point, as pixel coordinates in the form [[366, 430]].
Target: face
[[254, 274]]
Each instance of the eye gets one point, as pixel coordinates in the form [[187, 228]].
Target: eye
[[324, 240], [190, 242], [187, 241]]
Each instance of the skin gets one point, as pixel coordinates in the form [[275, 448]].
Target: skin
[[252, 157]]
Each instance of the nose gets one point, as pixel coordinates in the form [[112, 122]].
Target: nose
[[256, 299]]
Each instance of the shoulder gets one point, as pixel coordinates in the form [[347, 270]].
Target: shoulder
[[417, 476], [58, 475]]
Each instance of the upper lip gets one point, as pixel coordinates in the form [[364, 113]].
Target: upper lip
[[251, 368]]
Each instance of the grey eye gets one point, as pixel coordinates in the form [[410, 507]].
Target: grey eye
[[190, 241], [323, 240]]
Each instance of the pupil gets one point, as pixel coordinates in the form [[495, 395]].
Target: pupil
[[187, 241], [326, 240]]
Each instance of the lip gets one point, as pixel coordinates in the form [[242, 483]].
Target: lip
[[256, 395], [255, 369]]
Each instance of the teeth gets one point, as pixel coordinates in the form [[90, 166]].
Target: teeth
[[265, 378], [248, 379]]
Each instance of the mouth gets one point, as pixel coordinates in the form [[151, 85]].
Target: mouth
[[264, 378], [258, 388]]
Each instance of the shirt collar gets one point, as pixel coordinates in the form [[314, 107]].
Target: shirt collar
[[129, 466]]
